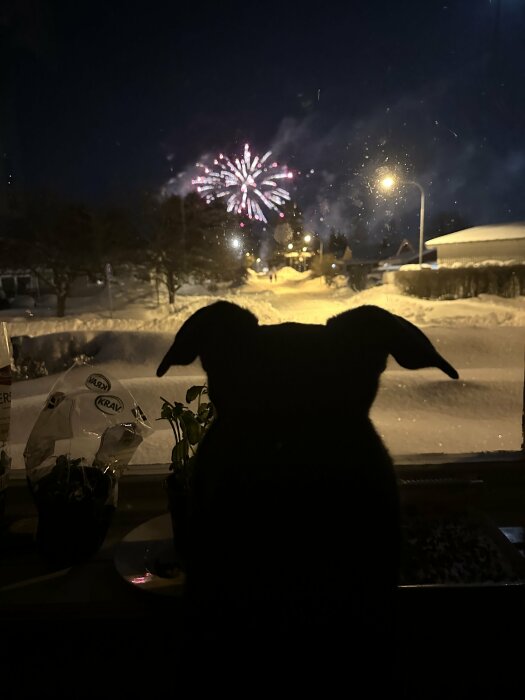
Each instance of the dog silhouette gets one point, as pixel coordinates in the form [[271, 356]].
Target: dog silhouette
[[295, 525]]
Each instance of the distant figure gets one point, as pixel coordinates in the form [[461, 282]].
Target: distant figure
[[273, 274]]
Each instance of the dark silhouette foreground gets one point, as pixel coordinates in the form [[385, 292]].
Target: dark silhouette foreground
[[295, 534]]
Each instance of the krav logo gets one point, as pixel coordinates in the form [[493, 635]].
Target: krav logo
[[98, 382], [111, 405]]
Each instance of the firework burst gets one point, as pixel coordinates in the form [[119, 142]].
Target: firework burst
[[246, 182]]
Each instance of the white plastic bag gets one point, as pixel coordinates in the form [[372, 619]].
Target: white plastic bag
[[81, 442]]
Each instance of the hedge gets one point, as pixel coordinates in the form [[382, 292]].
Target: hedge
[[462, 282]]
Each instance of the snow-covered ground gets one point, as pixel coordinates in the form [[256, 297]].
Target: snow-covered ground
[[416, 412]]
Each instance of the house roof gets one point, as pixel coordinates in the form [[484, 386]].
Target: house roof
[[397, 261], [406, 254], [498, 232]]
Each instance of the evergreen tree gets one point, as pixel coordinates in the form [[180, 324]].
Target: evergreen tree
[[337, 243], [358, 239], [325, 267]]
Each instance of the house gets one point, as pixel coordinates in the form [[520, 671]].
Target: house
[[501, 242], [299, 260], [15, 282], [358, 271], [406, 255]]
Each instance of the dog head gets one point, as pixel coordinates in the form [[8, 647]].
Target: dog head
[[305, 364]]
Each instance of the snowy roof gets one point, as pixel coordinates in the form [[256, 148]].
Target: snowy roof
[[406, 257], [499, 232]]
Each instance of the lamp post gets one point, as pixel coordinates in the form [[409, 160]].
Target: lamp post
[[388, 183], [308, 238]]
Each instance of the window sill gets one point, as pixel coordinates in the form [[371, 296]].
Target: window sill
[[403, 464]]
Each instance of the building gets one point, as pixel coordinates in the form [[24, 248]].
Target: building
[[16, 282], [406, 255], [299, 260], [501, 243]]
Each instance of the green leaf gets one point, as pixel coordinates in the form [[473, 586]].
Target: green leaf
[[194, 392], [193, 427], [205, 413], [166, 411], [171, 411], [189, 427]]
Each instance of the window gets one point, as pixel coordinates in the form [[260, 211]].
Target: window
[[156, 158]]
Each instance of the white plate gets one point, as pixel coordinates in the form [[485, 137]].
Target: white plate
[[145, 559]]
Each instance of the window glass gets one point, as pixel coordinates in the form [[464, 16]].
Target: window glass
[[156, 157]]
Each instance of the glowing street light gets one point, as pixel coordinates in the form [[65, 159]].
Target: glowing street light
[[388, 183], [308, 238], [235, 243]]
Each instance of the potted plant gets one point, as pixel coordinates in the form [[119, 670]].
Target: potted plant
[[189, 425], [75, 505]]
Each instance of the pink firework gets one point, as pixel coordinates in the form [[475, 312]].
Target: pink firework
[[246, 182]]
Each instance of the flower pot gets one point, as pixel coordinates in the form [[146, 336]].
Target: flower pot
[[178, 505], [73, 522]]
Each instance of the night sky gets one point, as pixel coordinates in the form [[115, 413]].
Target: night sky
[[107, 98]]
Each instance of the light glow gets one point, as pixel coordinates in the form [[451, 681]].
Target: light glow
[[388, 182]]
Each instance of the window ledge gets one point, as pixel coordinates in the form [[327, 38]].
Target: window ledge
[[467, 465], [409, 464], [460, 458]]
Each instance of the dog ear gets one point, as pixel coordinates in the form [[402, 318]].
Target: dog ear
[[412, 348], [374, 331], [206, 332]]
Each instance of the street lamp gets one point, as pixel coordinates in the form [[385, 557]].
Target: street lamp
[[308, 238], [388, 183]]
